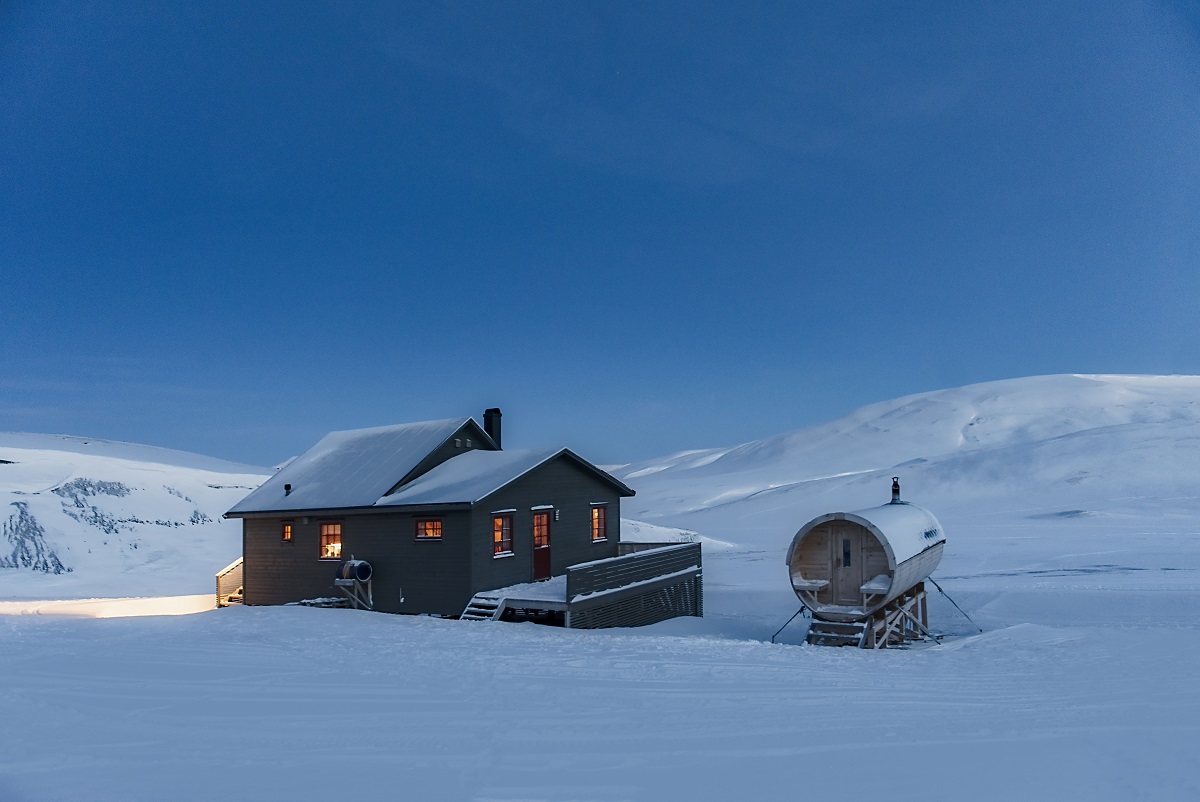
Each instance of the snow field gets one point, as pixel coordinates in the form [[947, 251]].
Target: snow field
[[298, 703]]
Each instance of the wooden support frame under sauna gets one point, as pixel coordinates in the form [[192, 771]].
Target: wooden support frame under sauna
[[862, 573], [438, 511]]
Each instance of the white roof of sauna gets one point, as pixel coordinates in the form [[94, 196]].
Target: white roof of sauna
[[905, 529], [352, 468], [475, 475]]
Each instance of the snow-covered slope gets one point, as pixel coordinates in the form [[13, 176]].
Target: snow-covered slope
[[1045, 445], [88, 517]]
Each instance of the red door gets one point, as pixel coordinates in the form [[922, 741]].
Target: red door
[[541, 545]]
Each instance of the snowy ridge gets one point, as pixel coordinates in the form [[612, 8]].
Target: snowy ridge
[[85, 517], [1043, 442]]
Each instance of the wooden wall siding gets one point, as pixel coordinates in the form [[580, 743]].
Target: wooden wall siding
[[914, 570], [814, 559], [571, 490], [433, 575], [641, 567]]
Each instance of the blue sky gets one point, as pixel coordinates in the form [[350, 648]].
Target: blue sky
[[637, 228]]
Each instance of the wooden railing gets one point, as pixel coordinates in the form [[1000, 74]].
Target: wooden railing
[[229, 584], [619, 572]]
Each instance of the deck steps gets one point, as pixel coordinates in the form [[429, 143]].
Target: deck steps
[[836, 633], [483, 608]]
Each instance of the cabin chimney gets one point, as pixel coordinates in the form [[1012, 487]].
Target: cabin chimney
[[287, 490], [895, 489], [491, 424]]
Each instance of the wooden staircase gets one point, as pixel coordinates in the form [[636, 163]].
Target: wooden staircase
[[837, 633], [904, 620], [483, 607]]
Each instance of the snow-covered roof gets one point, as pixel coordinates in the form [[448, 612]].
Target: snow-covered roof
[[351, 468], [467, 478], [357, 468], [904, 529], [475, 475]]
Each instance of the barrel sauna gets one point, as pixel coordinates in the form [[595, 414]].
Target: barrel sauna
[[845, 566]]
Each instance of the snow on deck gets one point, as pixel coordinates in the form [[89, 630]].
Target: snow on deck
[[553, 589]]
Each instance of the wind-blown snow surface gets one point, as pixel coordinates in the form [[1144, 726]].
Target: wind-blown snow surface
[[1073, 523], [87, 517]]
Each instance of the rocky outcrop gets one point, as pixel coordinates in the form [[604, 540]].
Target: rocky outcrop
[[27, 539]]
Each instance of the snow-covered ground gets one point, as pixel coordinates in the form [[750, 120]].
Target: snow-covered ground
[[1072, 507]]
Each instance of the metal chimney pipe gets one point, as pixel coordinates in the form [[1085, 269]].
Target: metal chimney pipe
[[895, 489], [491, 424]]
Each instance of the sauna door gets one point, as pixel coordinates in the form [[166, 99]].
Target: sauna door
[[845, 556]]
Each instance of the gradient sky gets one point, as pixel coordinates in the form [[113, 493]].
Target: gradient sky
[[230, 227]]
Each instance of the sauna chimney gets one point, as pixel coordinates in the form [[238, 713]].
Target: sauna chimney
[[491, 424], [895, 489]]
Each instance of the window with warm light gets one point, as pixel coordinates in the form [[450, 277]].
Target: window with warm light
[[541, 530], [331, 541], [286, 533], [429, 529], [599, 522], [502, 529]]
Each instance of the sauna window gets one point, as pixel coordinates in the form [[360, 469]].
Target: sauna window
[[286, 534], [331, 541], [846, 552]]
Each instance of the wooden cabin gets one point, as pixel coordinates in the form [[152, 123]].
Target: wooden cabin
[[445, 522], [867, 566]]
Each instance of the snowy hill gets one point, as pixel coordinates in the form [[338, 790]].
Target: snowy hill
[[1046, 445], [88, 517], [1061, 496]]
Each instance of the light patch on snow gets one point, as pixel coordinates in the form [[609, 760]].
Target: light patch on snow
[[113, 608]]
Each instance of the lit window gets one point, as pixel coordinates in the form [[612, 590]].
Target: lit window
[[541, 530], [429, 529], [502, 528], [286, 535], [331, 541], [599, 522]]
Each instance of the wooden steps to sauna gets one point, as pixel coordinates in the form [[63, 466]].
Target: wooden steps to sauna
[[836, 633]]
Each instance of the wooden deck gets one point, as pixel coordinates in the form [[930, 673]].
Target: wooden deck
[[631, 590]]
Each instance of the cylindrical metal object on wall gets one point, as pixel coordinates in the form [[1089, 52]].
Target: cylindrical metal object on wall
[[354, 569]]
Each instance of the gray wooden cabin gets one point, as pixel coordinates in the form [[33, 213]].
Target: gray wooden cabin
[[437, 508]]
